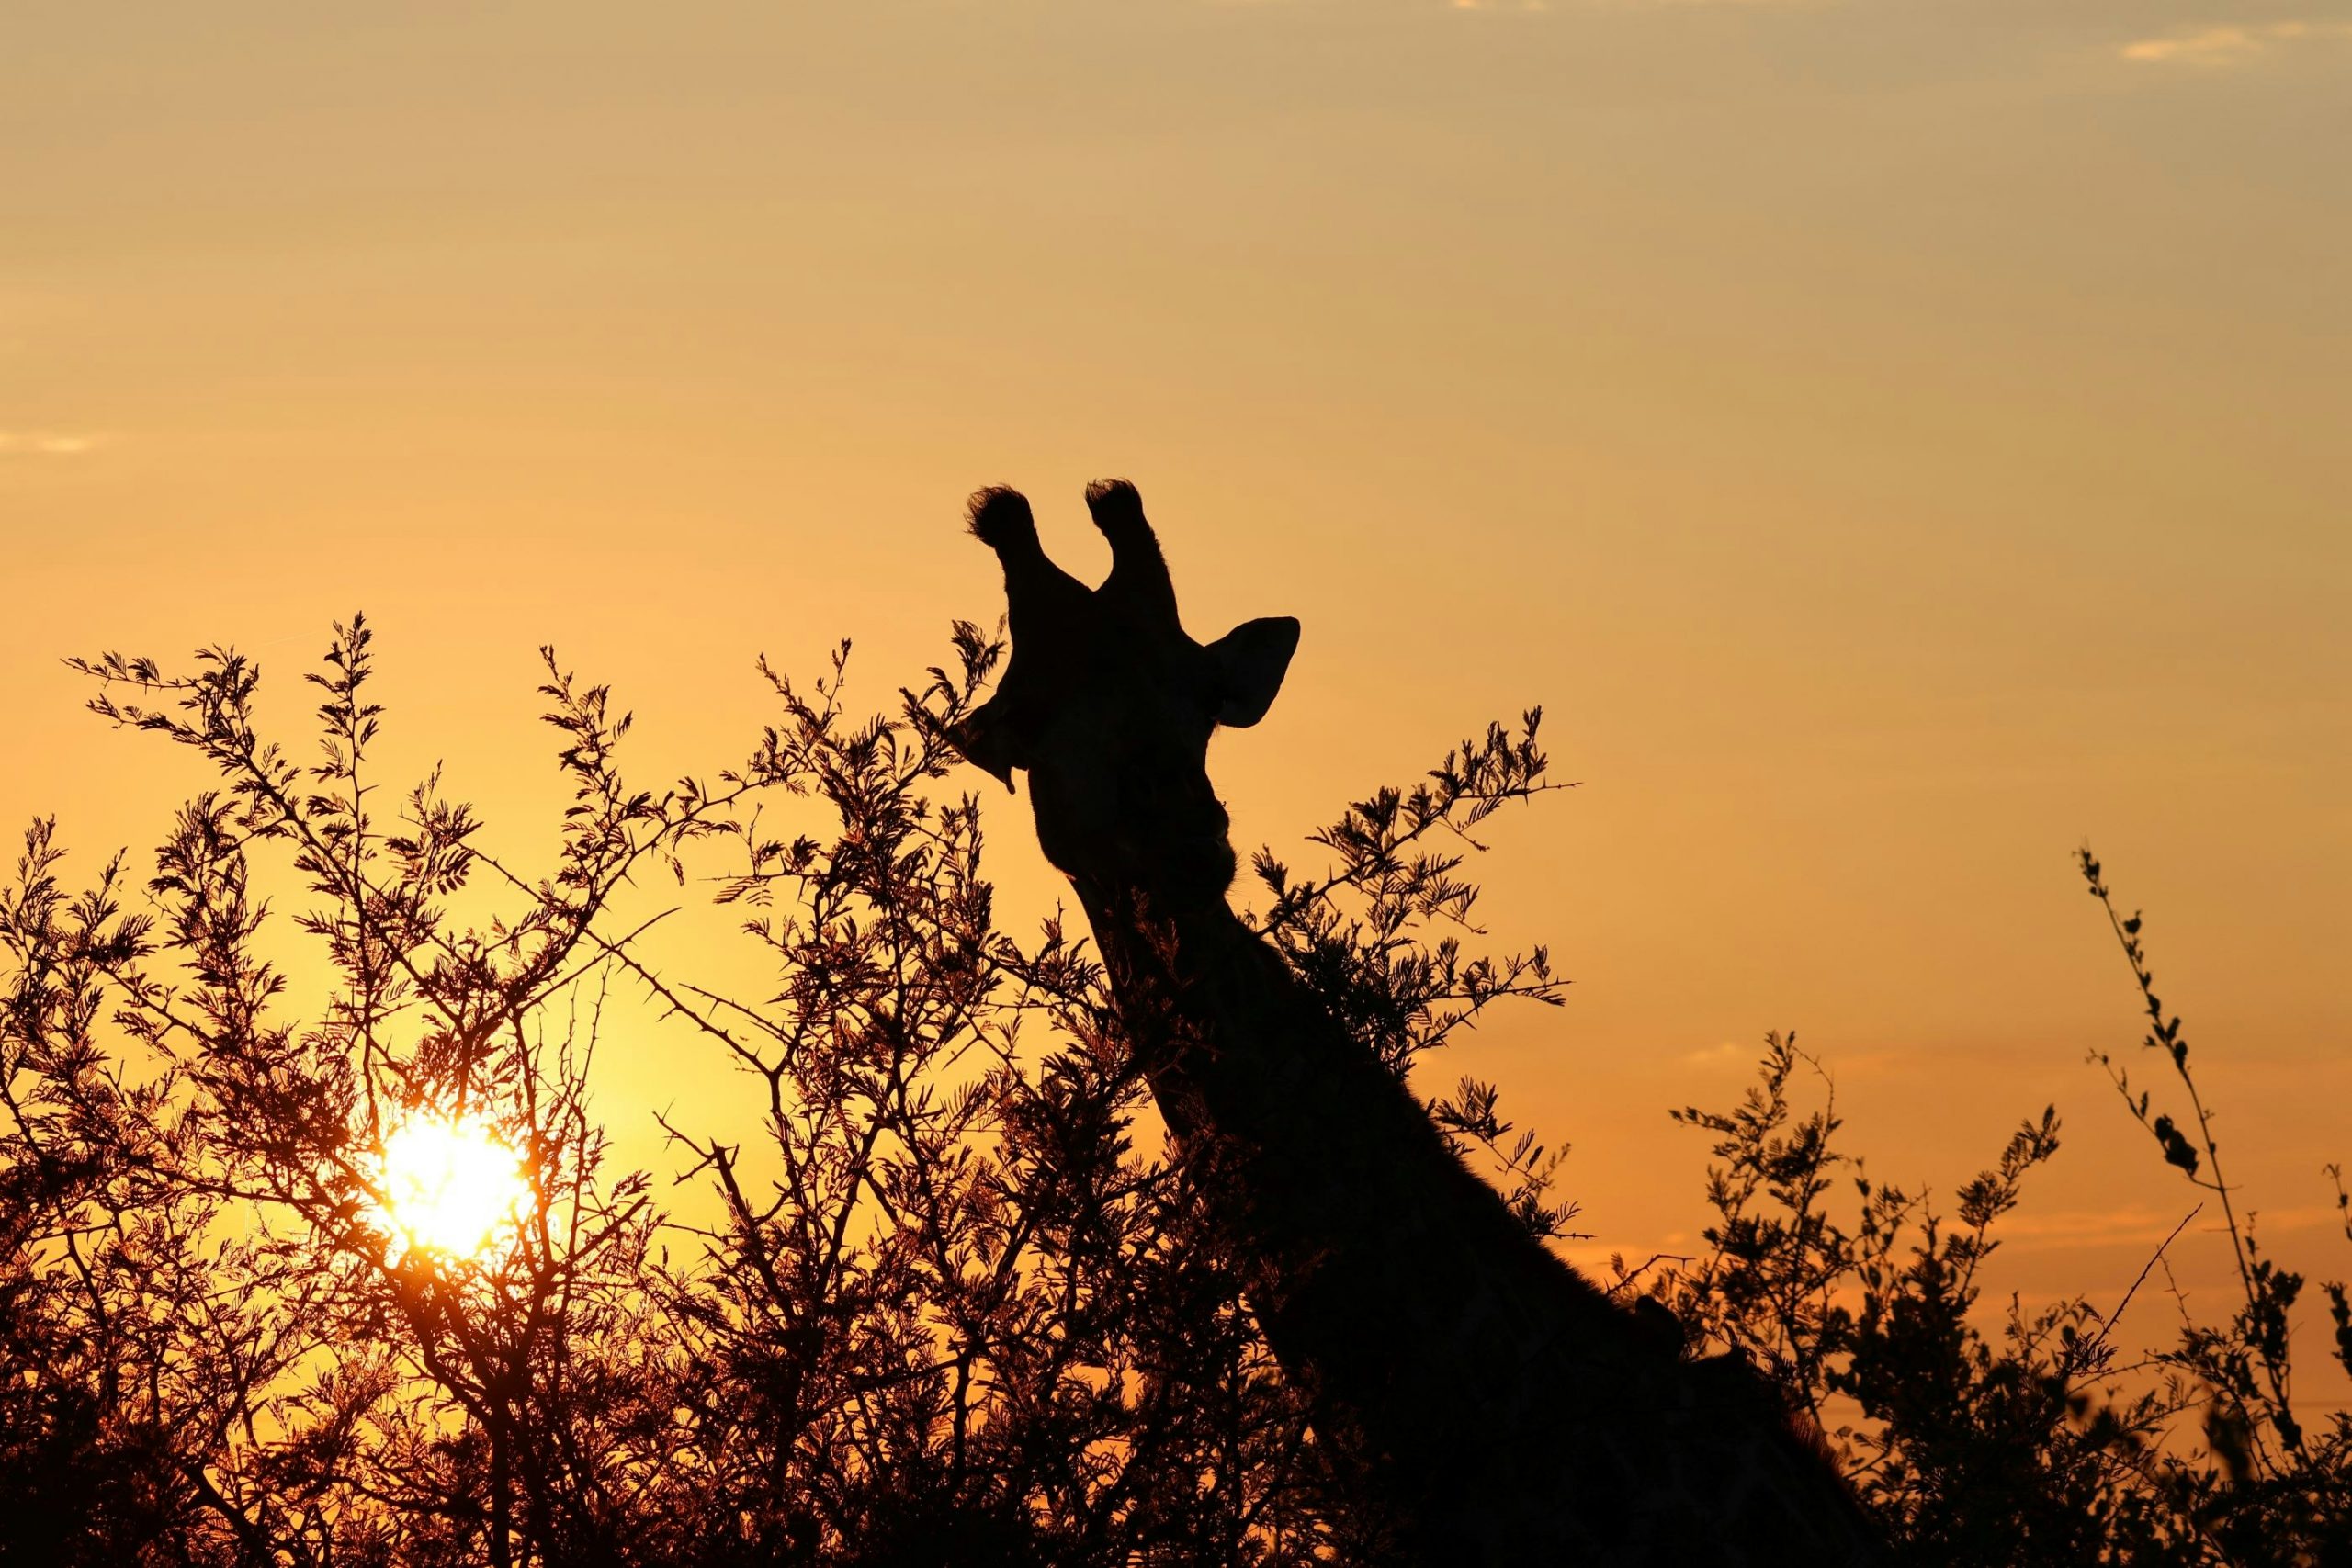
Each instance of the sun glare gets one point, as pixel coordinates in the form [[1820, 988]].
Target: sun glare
[[449, 1186]]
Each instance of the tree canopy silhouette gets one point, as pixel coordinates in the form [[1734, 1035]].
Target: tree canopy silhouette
[[951, 1305]]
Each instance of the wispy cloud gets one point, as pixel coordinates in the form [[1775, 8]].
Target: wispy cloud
[[1730, 1054], [1492, 6], [2131, 1224], [49, 442], [2139, 1226], [2232, 43]]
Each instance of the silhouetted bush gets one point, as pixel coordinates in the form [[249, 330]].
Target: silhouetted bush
[[950, 1304], [2024, 1440]]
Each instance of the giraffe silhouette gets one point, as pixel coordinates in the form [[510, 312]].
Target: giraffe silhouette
[[1486, 1402]]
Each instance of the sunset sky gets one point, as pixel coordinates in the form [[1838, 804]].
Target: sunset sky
[[1896, 440]]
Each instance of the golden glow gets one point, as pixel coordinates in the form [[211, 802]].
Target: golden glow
[[449, 1186], [1895, 448]]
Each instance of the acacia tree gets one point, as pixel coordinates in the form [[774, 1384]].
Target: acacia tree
[[951, 1308], [949, 1303], [2029, 1438], [289, 1381]]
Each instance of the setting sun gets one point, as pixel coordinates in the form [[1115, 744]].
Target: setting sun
[[449, 1186]]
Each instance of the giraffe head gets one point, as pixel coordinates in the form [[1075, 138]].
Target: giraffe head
[[1108, 704]]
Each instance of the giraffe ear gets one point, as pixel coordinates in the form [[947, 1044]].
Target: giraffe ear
[[988, 738], [1249, 662]]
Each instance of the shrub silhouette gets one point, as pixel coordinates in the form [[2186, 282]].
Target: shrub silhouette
[[948, 1305]]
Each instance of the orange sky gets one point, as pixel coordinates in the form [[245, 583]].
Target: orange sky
[[1895, 440]]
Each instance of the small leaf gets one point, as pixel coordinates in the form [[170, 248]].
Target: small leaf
[[2177, 1149]]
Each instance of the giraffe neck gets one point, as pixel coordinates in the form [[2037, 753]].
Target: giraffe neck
[[1392, 1282], [1495, 1400]]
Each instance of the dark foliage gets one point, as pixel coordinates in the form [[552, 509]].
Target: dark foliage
[[949, 1305], [2026, 1438]]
